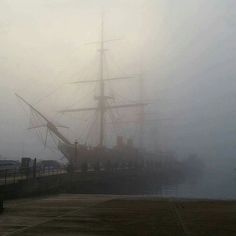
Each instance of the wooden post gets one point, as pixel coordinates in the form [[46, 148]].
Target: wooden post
[[5, 176], [34, 169], [14, 176], [1, 203]]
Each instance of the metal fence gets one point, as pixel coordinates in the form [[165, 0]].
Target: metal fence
[[12, 176]]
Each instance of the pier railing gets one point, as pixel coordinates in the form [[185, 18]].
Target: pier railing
[[12, 176]]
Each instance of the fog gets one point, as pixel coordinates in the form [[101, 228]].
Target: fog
[[185, 51]]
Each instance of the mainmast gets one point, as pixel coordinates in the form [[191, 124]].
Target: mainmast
[[102, 105], [102, 98]]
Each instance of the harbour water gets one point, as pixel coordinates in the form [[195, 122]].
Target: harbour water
[[211, 185]]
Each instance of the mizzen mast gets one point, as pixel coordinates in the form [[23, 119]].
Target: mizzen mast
[[142, 112]]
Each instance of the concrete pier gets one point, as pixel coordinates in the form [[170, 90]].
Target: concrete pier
[[72, 214]]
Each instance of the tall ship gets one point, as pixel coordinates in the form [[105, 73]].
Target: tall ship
[[125, 154]]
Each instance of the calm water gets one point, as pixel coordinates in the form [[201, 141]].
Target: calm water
[[212, 185]]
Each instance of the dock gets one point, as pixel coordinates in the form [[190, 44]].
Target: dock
[[87, 215]]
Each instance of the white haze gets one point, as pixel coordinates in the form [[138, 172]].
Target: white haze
[[186, 49]]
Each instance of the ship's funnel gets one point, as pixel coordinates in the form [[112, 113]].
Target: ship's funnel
[[130, 142], [119, 142]]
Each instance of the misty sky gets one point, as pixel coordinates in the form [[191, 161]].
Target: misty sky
[[186, 49]]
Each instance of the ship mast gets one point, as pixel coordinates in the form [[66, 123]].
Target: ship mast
[[50, 125], [102, 104], [102, 98], [142, 112]]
